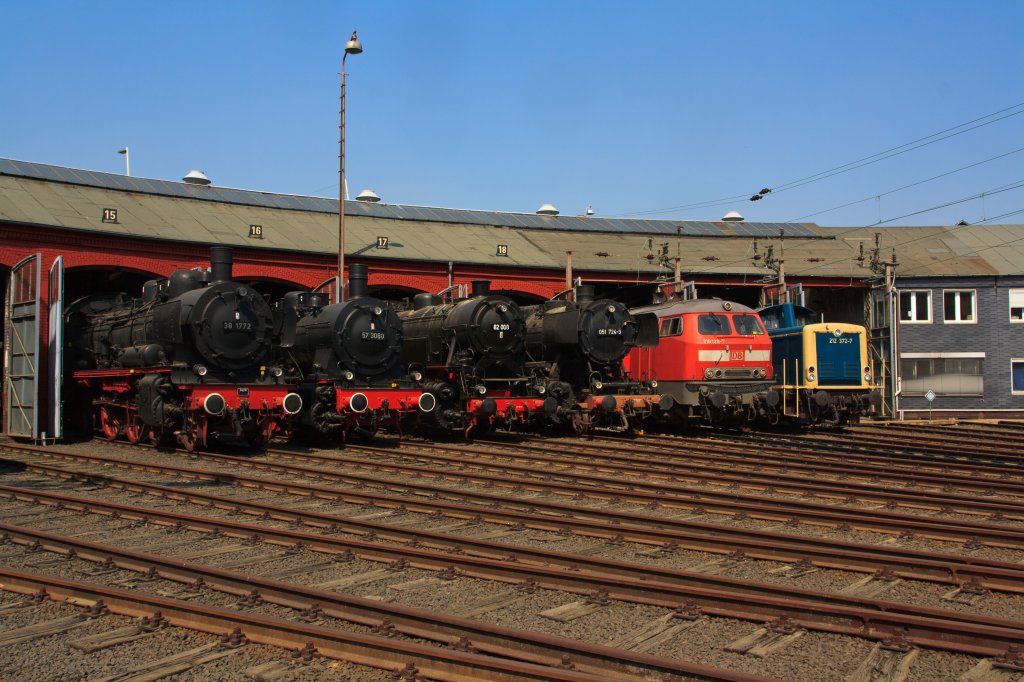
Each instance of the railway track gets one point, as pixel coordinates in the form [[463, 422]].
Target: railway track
[[407, 660], [581, 486], [950, 630], [518, 488]]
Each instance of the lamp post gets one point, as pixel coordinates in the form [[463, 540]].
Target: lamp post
[[353, 46], [127, 161]]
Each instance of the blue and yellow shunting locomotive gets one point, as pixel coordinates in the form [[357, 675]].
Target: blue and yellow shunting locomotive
[[822, 369]]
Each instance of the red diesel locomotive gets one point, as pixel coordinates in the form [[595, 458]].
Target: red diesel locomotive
[[714, 360]]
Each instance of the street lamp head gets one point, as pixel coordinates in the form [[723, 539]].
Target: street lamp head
[[353, 46]]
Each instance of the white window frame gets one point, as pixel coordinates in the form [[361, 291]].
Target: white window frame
[[1014, 361], [974, 305], [943, 356], [913, 307], [1020, 294]]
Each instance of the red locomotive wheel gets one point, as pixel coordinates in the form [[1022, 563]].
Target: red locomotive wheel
[[136, 432], [109, 424]]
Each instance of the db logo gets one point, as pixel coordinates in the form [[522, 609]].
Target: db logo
[[736, 355]]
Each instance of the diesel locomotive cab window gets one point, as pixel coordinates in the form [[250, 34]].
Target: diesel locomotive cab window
[[915, 306], [747, 325], [713, 325], [671, 326], [958, 306]]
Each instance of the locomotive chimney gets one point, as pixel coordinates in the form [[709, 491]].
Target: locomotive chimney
[[481, 287], [220, 263], [585, 293], [358, 276]]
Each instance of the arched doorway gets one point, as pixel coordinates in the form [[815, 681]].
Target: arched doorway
[[84, 281], [271, 289]]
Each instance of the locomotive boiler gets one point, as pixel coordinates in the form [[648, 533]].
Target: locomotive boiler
[[471, 354], [578, 346], [349, 355], [187, 360]]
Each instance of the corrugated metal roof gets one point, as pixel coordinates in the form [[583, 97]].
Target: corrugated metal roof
[[167, 188], [49, 195]]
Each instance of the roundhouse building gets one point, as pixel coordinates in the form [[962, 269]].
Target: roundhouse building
[[108, 232]]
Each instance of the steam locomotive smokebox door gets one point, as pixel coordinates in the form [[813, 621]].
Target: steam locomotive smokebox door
[[364, 335], [604, 332], [228, 330], [500, 329]]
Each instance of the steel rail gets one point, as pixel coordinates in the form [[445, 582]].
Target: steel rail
[[959, 433], [362, 649], [523, 645], [878, 620], [794, 459], [815, 446], [877, 452], [919, 444], [755, 544], [698, 502], [606, 457], [744, 600], [772, 483]]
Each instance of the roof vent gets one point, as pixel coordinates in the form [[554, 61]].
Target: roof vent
[[369, 196], [547, 209], [196, 177], [732, 217]]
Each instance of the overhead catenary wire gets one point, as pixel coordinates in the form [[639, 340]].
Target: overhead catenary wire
[[900, 189], [998, 190], [1004, 188], [852, 165]]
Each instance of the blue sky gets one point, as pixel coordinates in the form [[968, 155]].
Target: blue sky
[[645, 108]]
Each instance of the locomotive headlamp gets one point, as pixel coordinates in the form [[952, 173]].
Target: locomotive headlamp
[[349, 376], [811, 374], [292, 403], [502, 308], [276, 371], [541, 389], [377, 310], [718, 374], [416, 376], [242, 292], [214, 404], [480, 389], [200, 370], [598, 385], [867, 374], [611, 309], [654, 383], [708, 373]]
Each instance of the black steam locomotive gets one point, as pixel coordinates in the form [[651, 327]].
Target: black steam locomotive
[[576, 349], [349, 358], [471, 355], [186, 362]]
